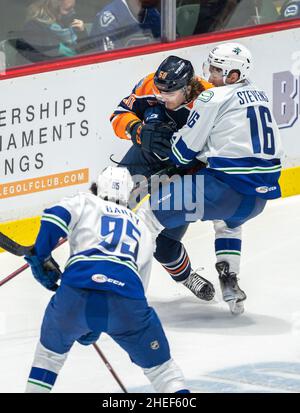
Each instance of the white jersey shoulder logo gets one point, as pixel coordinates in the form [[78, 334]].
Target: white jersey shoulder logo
[[206, 96], [106, 18]]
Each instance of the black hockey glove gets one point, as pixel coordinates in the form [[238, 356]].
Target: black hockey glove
[[153, 137]]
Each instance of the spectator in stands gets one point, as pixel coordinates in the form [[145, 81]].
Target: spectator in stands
[[51, 30], [212, 13], [250, 13], [126, 23], [216, 15]]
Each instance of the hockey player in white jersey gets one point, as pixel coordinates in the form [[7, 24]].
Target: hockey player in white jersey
[[102, 288], [232, 128]]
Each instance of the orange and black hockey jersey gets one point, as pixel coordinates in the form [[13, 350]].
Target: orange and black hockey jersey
[[143, 97]]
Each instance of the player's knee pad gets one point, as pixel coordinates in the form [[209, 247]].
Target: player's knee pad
[[166, 377], [222, 230]]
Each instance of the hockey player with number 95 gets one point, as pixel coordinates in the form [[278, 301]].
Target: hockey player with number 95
[[102, 288]]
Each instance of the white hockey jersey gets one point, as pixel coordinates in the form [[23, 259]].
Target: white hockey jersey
[[111, 247], [232, 128]]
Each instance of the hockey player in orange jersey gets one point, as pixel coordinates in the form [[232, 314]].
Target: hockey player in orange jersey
[[159, 102]]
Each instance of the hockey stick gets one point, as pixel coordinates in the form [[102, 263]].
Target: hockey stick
[[109, 367], [144, 185], [14, 248], [14, 274]]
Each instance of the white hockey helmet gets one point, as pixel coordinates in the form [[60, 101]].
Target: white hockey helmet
[[228, 57], [115, 184]]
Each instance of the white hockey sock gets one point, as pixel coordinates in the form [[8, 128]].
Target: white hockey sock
[[45, 368], [228, 245], [166, 377]]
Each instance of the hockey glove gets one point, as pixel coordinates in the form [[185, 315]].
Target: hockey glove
[[156, 113], [153, 137], [46, 272]]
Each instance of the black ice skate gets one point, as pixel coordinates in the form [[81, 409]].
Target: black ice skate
[[232, 294], [199, 286]]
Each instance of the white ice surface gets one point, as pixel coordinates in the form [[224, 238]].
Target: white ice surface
[[256, 352]]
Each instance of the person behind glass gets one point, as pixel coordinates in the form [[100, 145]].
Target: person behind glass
[[51, 30], [239, 13], [126, 23], [211, 13]]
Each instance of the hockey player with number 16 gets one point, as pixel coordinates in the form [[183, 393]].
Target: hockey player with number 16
[[232, 127]]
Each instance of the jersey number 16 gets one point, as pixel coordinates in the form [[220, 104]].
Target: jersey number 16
[[264, 116]]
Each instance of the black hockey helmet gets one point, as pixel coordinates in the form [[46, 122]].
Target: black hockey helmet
[[173, 74]]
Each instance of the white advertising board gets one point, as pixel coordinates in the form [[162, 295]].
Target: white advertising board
[[55, 134]]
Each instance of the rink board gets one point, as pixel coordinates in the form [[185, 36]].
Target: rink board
[[55, 133]]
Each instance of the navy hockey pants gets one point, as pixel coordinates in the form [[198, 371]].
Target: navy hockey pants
[[204, 197], [168, 245], [77, 314]]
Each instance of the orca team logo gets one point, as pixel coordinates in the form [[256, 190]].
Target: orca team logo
[[237, 50]]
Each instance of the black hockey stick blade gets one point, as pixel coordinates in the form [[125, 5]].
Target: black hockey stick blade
[[13, 247]]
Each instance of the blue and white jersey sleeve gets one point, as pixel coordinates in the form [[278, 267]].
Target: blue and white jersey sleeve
[[233, 128], [110, 246], [189, 141], [56, 223]]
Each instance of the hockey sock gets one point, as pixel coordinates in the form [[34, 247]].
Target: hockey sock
[[179, 269], [45, 368], [167, 378], [228, 243]]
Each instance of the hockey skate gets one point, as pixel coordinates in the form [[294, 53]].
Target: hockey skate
[[232, 294], [199, 286]]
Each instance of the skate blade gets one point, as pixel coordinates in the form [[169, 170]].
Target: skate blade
[[236, 307]]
